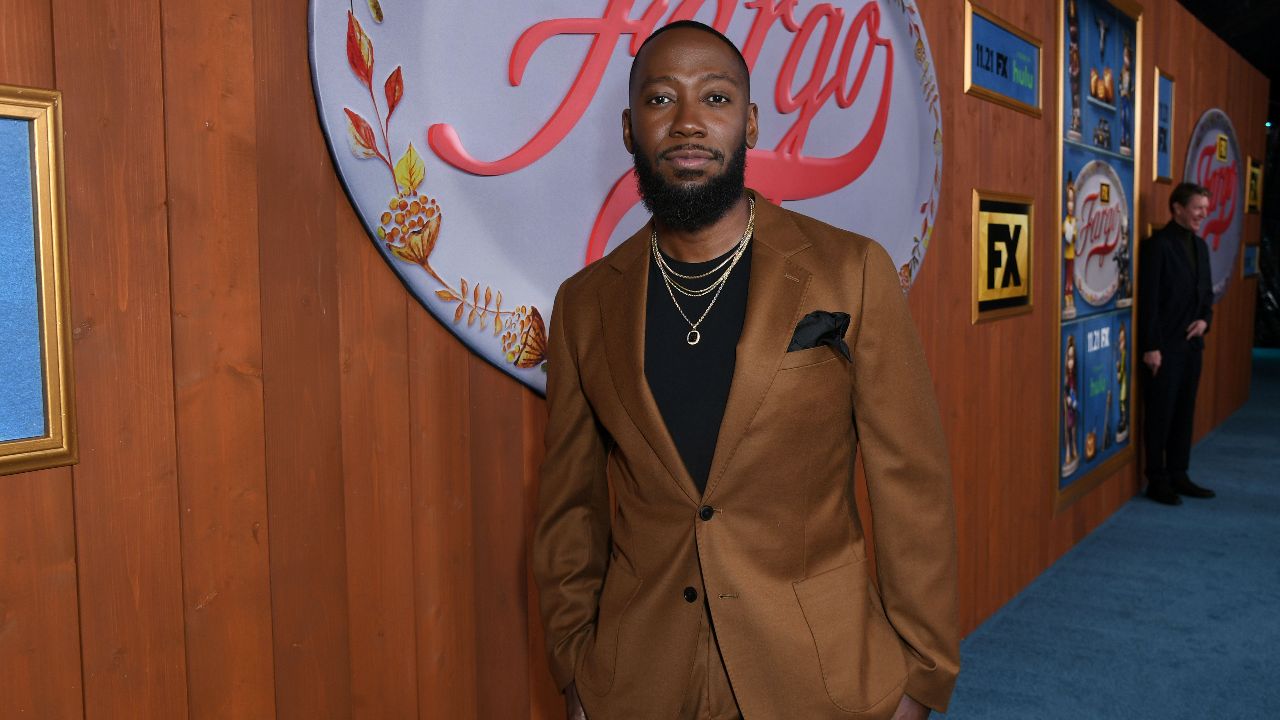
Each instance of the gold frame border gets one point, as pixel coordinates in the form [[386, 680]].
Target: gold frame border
[[1155, 125], [1249, 168], [977, 316], [43, 109], [1064, 498], [978, 91]]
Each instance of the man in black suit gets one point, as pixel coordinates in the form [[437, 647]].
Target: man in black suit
[[1175, 305]]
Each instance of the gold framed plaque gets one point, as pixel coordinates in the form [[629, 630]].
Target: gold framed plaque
[[1002, 254]]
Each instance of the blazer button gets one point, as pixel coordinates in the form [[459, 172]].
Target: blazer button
[[690, 595], [706, 512]]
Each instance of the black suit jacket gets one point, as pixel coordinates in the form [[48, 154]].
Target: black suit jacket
[[1172, 293]]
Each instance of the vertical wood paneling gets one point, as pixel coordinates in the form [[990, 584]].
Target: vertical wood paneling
[[443, 536], [39, 613], [300, 355], [126, 504], [376, 474], [501, 571], [39, 630], [217, 348], [545, 700]]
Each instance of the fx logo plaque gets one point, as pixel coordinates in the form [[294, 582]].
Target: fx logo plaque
[[1001, 255]]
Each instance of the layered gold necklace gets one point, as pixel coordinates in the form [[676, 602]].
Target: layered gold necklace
[[726, 266]]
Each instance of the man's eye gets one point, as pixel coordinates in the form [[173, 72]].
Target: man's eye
[[717, 98], [659, 100]]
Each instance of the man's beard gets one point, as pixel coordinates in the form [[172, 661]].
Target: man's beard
[[691, 207]]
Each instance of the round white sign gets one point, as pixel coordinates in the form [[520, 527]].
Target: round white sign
[[481, 143], [1213, 160], [1102, 212]]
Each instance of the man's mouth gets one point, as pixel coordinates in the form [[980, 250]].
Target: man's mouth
[[689, 157]]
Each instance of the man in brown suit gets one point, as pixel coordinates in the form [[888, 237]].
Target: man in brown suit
[[697, 549]]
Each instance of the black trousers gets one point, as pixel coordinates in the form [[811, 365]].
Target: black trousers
[[1169, 402]]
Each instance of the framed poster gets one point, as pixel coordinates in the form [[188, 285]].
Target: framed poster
[[1162, 142], [1001, 62], [1253, 193], [1002, 247], [1100, 112], [37, 424], [1249, 261]]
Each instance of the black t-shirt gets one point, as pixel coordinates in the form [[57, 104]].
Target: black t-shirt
[[690, 383]]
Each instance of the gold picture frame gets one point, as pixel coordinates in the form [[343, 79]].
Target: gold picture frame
[[37, 115], [990, 303], [1064, 498], [1037, 110], [1253, 185]]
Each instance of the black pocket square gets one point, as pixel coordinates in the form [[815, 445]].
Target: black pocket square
[[822, 328]]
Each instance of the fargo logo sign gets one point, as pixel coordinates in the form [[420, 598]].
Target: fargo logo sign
[[480, 143], [1103, 213], [1213, 160]]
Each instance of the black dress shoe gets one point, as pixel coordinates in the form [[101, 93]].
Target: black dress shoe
[[1163, 494], [1184, 486]]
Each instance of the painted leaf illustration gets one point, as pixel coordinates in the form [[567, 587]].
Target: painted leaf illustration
[[410, 170], [457, 315], [359, 51], [375, 9], [360, 134], [446, 295], [394, 89]]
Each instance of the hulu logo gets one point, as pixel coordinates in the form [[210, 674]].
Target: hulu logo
[[1022, 76]]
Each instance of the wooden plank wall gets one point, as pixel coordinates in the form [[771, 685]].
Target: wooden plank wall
[[299, 497]]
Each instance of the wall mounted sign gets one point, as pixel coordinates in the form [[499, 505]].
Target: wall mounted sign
[[1002, 246], [1098, 68], [1214, 161], [37, 419], [1001, 63], [1249, 261], [1162, 154], [1253, 195], [480, 142]]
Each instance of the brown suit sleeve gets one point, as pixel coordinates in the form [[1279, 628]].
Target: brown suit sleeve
[[571, 534], [904, 454]]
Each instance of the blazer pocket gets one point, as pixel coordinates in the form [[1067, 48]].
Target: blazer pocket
[[601, 659], [860, 655], [808, 356]]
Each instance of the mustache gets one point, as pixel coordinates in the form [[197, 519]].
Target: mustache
[[715, 154]]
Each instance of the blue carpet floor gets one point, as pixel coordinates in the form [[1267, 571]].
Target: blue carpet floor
[[1162, 612]]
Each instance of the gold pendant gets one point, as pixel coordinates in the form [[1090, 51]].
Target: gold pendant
[[693, 337]]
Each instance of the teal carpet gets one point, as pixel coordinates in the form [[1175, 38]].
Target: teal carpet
[[1162, 612]]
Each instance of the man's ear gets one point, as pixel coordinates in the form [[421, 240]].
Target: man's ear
[[626, 130], [753, 125]]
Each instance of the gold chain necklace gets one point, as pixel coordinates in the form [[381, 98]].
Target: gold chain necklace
[[694, 336]]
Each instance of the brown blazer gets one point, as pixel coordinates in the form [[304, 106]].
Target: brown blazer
[[803, 632]]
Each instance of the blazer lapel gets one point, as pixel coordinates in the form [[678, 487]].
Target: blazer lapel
[[622, 308], [773, 305]]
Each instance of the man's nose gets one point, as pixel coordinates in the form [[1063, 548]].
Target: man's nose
[[688, 121]]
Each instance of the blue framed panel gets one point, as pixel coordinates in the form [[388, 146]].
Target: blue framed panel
[[1099, 61], [37, 423], [1162, 143], [1001, 62], [1249, 261]]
